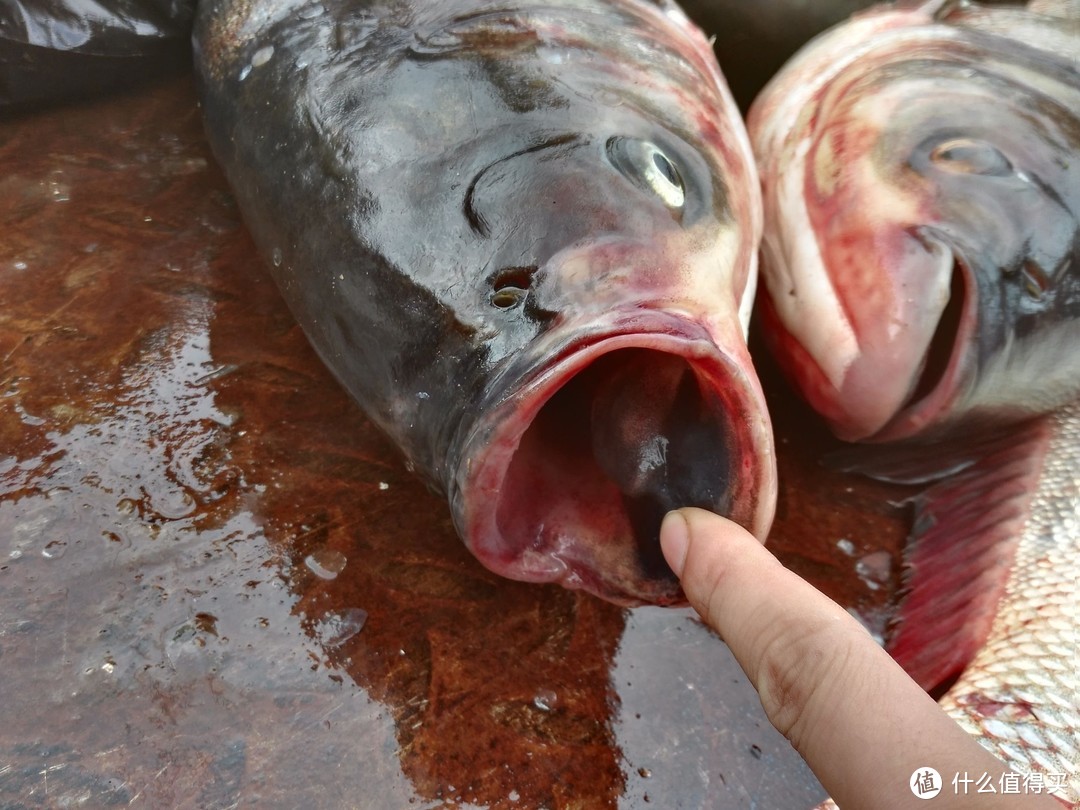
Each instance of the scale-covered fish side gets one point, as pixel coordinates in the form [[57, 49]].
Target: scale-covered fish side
[[524, 238], [922, 193], [921, 264]]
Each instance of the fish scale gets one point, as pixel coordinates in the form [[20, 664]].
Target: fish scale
[[1020, 695]]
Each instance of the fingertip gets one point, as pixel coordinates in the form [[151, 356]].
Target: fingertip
[[675, 540], [702, 548], [703, 524]]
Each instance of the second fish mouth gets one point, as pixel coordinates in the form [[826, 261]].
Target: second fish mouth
[[573, 481], [937, 382]]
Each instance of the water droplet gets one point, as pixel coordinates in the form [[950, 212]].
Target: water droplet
[[54, 549], [109, 665], [56, 186], [245, 71], [172, 504], [326, 563], [423, 395], [262, 56], [514, 796], [874, 569], [556, 56], [337, 628], [845, 546], [545, 700], [383, 485], [276, 257], [609, 98], [19, 265]]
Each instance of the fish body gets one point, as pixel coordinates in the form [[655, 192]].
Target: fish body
[[921, 266], [1020, 694], [523, 237]]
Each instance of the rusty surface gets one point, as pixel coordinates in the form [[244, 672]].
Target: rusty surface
[[220, 587]]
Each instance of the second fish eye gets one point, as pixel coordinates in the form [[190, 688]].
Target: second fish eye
[[646, 165], [970, 156]]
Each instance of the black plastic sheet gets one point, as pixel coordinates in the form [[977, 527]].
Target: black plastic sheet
[[60, 50]]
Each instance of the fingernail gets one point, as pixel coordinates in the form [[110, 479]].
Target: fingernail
[[674, 540]]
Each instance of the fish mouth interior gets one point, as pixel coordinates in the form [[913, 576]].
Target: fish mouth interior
[[943, 345], [581, 478], [938, 378]]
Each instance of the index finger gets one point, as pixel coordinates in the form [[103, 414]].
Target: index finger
[[825, 684]]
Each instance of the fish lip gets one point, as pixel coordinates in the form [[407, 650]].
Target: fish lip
[[918, 414], [491, 442]]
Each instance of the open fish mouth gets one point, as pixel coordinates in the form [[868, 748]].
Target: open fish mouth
[[938, 382], [568, 478]]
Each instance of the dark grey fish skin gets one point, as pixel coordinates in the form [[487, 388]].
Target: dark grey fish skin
[[524, 238]]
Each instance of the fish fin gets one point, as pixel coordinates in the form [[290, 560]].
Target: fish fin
[[959, 555], [909, 462]]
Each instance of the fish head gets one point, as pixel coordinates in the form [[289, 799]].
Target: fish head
[[524, 238], [603, 228], [921, 257]]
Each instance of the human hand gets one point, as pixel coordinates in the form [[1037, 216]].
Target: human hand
[[862, 725]]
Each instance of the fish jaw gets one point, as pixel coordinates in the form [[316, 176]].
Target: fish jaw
[[567, 478]]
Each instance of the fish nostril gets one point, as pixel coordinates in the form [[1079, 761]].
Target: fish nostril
[[1035, 279], [510, 286]]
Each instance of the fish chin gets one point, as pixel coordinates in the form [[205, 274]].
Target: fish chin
[[567, 479]]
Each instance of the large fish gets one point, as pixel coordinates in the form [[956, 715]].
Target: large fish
[[921, 261], [524, 238]]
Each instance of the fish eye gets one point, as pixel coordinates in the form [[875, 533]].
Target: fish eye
[[646, 165], [970, 156]]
